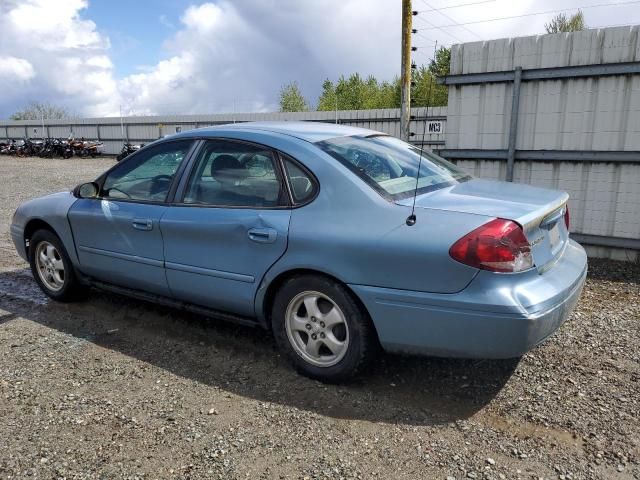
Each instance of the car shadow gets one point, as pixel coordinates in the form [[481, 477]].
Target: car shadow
[[244, 361], [614, 271]]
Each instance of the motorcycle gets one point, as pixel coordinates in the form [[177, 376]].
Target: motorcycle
[[55, 147], [11, 148], [23, 147], [47, 150], [92, 149], [85, 148], [128, 149]]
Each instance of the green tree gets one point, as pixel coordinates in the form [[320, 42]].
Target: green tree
[[292, 100], [328, 98], [427, 92], [389, 94], [441, 64], [37, 110], [357, 93], [560, 23]]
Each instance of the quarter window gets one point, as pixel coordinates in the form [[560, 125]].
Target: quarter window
[[235, 174], [303, 188], [148, 174]]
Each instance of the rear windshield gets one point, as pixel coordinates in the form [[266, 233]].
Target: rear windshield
[[390, 165]]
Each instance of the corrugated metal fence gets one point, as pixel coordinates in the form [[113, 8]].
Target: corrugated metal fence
[[559, 111], [115, 131]]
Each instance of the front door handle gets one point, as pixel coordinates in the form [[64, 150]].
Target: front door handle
[[263, 235], [142, 224]]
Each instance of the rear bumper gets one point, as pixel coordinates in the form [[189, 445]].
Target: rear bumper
[[496, 316]]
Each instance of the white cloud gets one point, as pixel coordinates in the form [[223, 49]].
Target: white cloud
[[51, 54], [15, 69], [234, 55]]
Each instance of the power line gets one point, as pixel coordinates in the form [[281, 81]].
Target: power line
[[453, 6], [534, 14], [447, 16], [417, 32], [434, 27]]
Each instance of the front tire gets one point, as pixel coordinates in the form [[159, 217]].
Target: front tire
[[322, 330], [52, 268]]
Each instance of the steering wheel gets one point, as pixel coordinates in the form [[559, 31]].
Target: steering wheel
[[156, 186], [161, 177]]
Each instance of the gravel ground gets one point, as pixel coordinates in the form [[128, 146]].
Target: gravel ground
[[115, 388]]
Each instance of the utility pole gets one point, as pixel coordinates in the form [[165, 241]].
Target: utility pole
[[405, 71]]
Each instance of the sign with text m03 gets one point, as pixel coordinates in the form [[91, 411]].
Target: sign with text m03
[[434, 127]]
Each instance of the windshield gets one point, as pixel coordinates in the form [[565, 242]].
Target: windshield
[[390, 165]]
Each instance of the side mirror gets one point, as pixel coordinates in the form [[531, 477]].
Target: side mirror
[[86, 190]]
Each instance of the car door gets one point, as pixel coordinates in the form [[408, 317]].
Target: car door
[[229, 225], [117, 235]]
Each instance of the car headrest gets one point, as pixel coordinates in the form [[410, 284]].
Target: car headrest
[[227, 168]]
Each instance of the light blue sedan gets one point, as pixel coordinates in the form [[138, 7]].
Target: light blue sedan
[[340, 240]]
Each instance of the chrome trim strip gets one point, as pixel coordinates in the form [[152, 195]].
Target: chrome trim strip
[[122, 256], [209, 272]]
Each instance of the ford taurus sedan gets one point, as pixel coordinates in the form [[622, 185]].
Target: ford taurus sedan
[[340, 240]]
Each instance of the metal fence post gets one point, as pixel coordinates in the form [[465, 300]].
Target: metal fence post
[[513, 125]]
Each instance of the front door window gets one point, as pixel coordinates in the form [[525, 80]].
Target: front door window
[[146, 176]]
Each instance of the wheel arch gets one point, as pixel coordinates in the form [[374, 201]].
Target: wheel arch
[[274, 285], [32, 227]]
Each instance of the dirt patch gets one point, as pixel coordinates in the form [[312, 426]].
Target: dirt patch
[[115, 388]]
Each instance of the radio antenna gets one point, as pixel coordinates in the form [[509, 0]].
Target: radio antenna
[[411, 219]]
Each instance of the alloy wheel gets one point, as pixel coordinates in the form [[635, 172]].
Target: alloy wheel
[[50, 266], [317, 328]]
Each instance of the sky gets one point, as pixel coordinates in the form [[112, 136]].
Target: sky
[[144, 57]]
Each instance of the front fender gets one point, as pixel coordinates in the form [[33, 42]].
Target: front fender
[[50, 209]]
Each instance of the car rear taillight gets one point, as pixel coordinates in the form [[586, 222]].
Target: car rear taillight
[[499, 246], [566, 217]]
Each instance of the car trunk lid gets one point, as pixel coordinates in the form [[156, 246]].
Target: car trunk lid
[[540, 211]]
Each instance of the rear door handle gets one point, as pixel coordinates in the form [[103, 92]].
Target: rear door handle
[[262, 235], [142, 224]]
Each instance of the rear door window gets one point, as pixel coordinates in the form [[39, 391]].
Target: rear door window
[[235, 174]]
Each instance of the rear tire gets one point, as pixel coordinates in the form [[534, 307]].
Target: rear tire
[[322, 329], [52, 269]]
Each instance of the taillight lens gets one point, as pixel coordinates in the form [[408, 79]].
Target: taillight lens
[[566, 217], [499, 246]]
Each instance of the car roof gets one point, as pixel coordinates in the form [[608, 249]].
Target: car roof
[[309, 131]]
